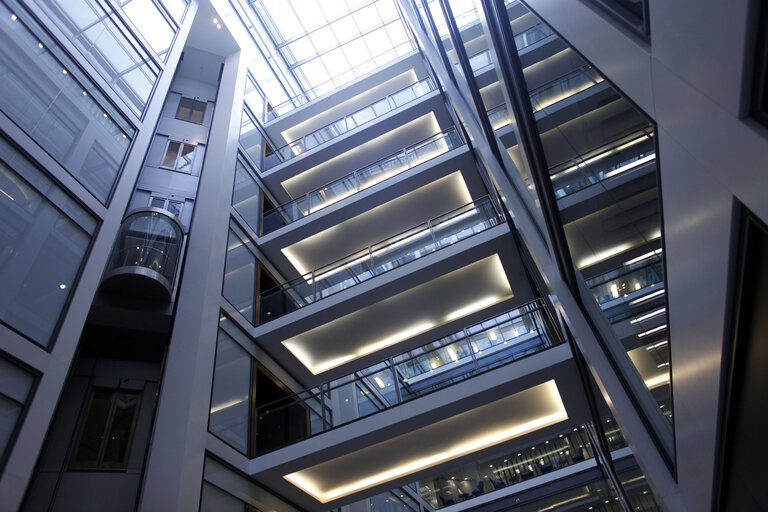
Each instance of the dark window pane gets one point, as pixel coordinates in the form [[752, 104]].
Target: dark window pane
[[126, 406], [170, 154], [92, 435]]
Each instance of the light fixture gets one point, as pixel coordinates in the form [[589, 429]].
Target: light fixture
[[63, 286]]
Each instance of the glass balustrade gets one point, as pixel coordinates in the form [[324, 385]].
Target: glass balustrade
[[550, 93], [533, 35], [475, 349], [631, 289], [381, 257], [349, 122], [564, 87], [361, 179], [621, 155], [478, 478]]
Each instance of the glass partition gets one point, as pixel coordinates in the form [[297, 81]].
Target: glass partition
[[16, 385], [64, 112], [44, 241]]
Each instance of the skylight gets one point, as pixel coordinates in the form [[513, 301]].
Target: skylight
[[327, 43]]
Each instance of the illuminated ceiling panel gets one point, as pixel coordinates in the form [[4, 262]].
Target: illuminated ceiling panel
[[453, 295], [465, 433]]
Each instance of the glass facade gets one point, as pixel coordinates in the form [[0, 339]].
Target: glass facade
[[64, 113], [44, 239], [110, 46], [16, 386]]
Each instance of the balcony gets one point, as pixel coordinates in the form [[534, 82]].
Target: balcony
[[360, 179], [549, 94], [349, 122], [473, 350], [409, 245], [607, 161]]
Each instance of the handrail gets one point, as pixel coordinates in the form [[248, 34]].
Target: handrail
[[534, 105], [582, 171], [305, 289], [286, 152], [299, 212], [514, 334]]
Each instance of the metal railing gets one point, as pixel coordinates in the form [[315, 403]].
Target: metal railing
[[630, 290], [552, 92], [611, 159], [564, 87], [361, 179], [534, 34], [349, 122], [475, 349], [406, 246]]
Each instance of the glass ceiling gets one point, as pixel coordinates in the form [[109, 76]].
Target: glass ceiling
[[327, 43]]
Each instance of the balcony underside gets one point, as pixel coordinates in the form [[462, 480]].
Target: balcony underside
[[406, 307], [465, 421]]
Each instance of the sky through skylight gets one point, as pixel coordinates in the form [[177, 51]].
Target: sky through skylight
[[328, 43]]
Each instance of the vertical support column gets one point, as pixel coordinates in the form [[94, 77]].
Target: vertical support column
[[174, 470]]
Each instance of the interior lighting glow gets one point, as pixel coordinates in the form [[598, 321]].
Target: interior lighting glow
[[604, 255], [440, 455], [651, 331], [647, 297], [452, 354], [228, 404], [657, 381], [643, 257], [379, 382], [647, 316], [657, 345], [629, 166], [475, 306]]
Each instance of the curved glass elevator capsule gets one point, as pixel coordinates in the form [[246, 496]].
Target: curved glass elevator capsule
[[146, 255]]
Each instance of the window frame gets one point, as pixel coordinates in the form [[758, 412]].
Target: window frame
[[83, 420], [194, 103], [179, 154]]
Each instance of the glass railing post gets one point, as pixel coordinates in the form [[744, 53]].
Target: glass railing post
[[322, 405], [471, 350], [398, 393], [432, 232], [314, 287], [371, 264]]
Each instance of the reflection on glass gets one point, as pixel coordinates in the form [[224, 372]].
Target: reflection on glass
[[240, 276], [64, 113], [107, 44], [15, 386], [600, 152], [230, 398], [42, 246], [106, 430], [151, 23]]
